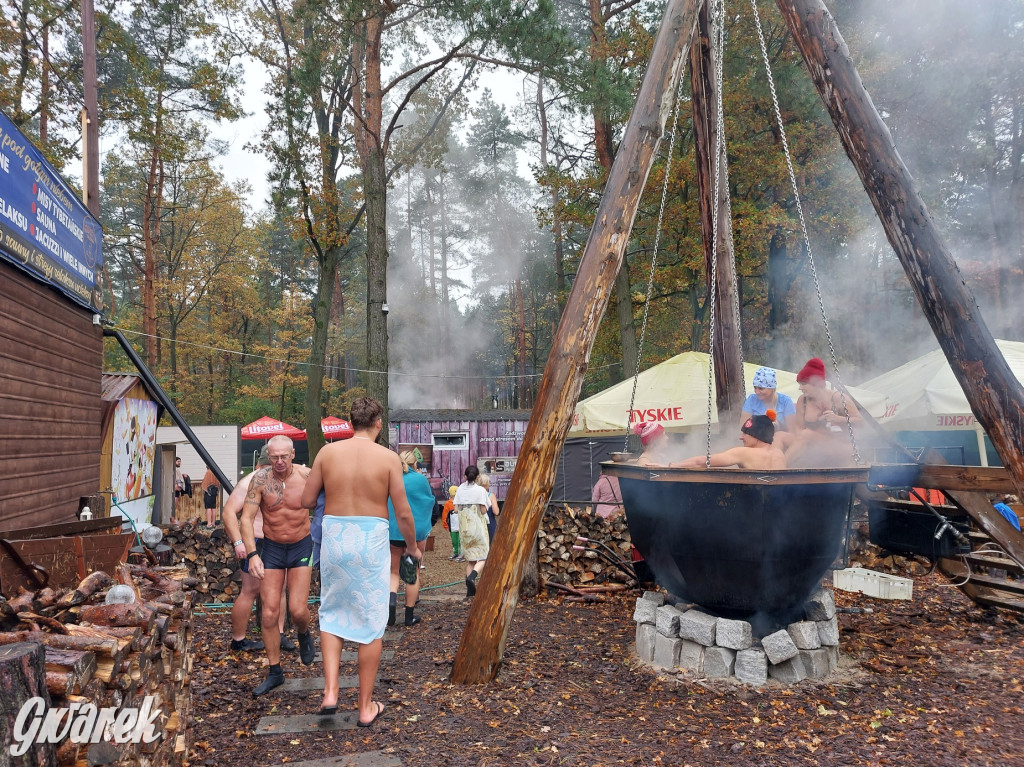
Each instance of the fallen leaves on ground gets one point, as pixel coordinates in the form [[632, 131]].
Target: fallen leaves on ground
[[934, 681]]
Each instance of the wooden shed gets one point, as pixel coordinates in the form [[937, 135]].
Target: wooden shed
[[128, 457], [451, 440], [51, 359]]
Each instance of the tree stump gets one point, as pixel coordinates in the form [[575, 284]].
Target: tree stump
[[22, 676]]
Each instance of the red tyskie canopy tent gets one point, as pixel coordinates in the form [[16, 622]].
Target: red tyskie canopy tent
[[336, 428], [267, 427]]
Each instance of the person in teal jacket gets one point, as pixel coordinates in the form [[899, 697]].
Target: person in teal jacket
[[422, 501]]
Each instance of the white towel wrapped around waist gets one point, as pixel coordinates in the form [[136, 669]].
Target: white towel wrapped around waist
[[355, 568]]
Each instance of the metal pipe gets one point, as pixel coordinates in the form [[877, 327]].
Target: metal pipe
[[154, 386]]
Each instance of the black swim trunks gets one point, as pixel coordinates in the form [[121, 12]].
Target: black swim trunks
[[210, 496], [245, 562], [284, 556]]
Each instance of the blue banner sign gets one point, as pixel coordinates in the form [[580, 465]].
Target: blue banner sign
[[44, 228]]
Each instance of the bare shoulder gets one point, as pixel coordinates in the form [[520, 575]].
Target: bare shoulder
[[302, 471], [386, 454]]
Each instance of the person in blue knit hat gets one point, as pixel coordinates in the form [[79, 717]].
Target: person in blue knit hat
[[766, 397]]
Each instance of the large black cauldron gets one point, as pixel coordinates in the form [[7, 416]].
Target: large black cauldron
[[743, 544]]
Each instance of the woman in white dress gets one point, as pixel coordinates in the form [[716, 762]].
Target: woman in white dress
[[471, 502]]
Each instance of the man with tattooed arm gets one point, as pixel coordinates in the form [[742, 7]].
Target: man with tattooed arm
[[285, 550]]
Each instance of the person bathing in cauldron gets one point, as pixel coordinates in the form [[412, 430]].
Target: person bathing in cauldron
[[757, 451], [654, 441], [767, 397], [821, 417]]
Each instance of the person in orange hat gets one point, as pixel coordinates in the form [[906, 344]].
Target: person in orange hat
[[654, 441], [756, 452]]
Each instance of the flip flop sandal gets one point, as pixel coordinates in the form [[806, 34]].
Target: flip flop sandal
[[375, 717]]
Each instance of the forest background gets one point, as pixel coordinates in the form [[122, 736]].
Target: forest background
[[399, 180]]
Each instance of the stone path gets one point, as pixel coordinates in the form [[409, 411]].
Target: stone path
[[343, 720], [350, 656], [366, 759]]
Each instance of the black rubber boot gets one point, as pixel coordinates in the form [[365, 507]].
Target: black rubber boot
[[275, 678], [287, 644], [306, 648], [471, 584], [392, 606], [410, 619], [246, 645]]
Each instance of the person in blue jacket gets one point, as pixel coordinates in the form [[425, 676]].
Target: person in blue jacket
[[422, 501]]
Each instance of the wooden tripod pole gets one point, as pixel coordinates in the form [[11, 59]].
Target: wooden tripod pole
[[483, 639], [730, 392], [996, 396]]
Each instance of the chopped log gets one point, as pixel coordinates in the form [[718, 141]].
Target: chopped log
[[24, 602], [60, 683], [23, 676], [585, 598], [67, 753], [131, 633], [103, 648], [605, 589], [124, 577], [52, 624], [160, 581], [46, 598], [119, 615], [561, 587], [86, 588], [79, 664]]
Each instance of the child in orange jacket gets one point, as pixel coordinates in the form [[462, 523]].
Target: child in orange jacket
[[450, 522]]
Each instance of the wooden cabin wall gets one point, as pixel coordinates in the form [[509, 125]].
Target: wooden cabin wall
[[486, 438], [51, 359]]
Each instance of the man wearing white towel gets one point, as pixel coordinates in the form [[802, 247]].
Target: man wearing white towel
[[357, 476]]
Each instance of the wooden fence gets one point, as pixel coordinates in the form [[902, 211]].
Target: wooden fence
[[193, 508]]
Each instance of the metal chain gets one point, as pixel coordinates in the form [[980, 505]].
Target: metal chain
[[654, 255], [717, 8], [803, 227]]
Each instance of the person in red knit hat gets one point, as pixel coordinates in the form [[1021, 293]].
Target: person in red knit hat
[[821, 413], [654, 441]]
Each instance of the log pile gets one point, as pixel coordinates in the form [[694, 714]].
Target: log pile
[[211, 561], [114, 656], [559, 563]]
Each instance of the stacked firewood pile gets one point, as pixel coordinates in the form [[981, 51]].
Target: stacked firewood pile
[[210, 559], [577, 552], [113, 656]]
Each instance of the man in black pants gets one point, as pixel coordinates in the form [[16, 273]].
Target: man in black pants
[[286, 550]]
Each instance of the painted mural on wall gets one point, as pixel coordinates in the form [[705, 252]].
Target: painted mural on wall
[[134, 449]]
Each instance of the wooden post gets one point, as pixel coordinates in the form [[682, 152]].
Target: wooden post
[[730, 392], [23, 676], [483, 639], [996, 397]]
